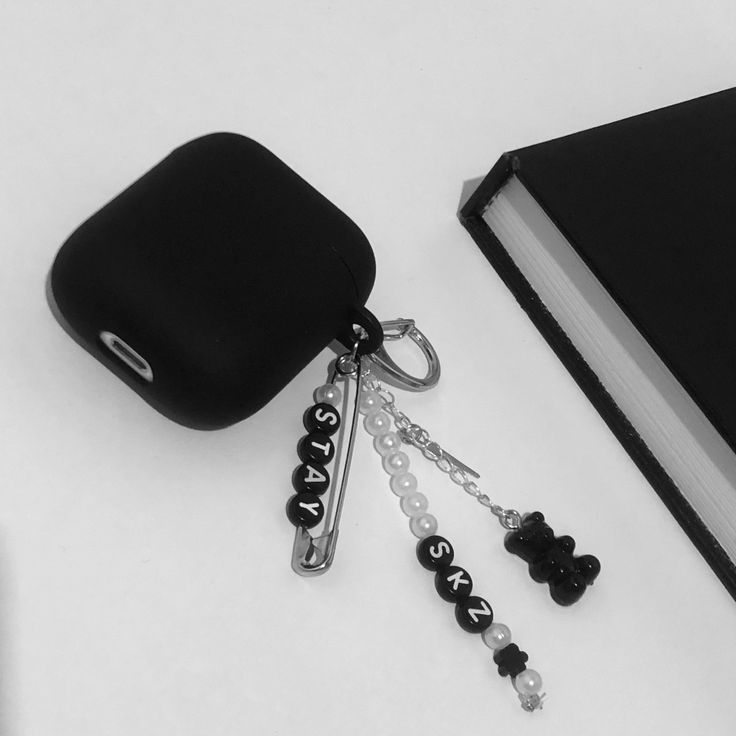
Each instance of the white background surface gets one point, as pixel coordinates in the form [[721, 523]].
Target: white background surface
[[145, 585]]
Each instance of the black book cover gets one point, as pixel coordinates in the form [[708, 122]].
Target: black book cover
[[649, 204]]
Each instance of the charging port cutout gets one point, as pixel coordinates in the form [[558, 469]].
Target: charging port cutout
[[124, 352]]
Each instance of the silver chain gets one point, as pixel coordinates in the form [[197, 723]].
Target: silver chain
[[460, 474]]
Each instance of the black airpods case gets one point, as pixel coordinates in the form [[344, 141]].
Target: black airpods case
[[212, 280]]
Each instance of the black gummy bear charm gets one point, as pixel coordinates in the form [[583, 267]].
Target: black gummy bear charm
[[551, 559], [510, 660]]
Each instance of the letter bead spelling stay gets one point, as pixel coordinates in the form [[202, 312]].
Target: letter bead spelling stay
[[311, 479]]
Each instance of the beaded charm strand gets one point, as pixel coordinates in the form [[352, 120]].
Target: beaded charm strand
[[311, 479], [435, 553], [550, 559]]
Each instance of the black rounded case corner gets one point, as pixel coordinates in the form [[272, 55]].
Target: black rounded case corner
[[210, 282]]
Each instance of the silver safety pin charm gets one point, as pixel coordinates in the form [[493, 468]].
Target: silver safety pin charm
[[313, 554]]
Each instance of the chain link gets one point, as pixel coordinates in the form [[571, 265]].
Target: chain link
[[461, 475]]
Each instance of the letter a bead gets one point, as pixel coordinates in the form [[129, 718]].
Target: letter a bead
[[311, 477]]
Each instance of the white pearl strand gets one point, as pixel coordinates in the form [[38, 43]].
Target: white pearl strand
[[414, 504], [396, 463]]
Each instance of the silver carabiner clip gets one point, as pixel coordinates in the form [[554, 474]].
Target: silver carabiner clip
[[396, 329]]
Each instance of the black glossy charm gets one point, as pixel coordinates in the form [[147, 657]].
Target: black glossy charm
[[435, 553], [510, 660], [305, 509], [474, 614], [551, 559], [311, 477], [322, 418], [453, 584], [316, 447]]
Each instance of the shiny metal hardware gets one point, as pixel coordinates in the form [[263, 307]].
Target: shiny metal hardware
[[134, 360], [396, 329], [459, 473]]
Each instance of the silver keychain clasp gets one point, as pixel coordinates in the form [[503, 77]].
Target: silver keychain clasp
[[396, 329]]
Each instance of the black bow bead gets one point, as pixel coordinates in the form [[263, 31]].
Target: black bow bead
[[551, 559], [510, 660]]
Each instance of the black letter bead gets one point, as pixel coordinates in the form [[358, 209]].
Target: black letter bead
[[316, 447], [434, 553], [474, 614], [322, 418], [305, 509], [311, 477], [453, 583]]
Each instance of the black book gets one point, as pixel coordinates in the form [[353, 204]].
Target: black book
[[620, 244]]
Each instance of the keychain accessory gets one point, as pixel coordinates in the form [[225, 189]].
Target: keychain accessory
[[354, 386]]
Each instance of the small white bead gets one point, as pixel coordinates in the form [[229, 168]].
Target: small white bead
[[403, 483], [327, 394], [378, 423], [528, 682], [414, 504], [370, 402], [497, 636], [385, 443], [395, 462], [423, 526]]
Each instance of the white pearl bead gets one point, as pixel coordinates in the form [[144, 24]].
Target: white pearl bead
[[385, 443], [528, 682], [423, 526], [403, 483], [395, 462], [370, 402], [327, 394], [497, 636], [378, 423], [414, 504]]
